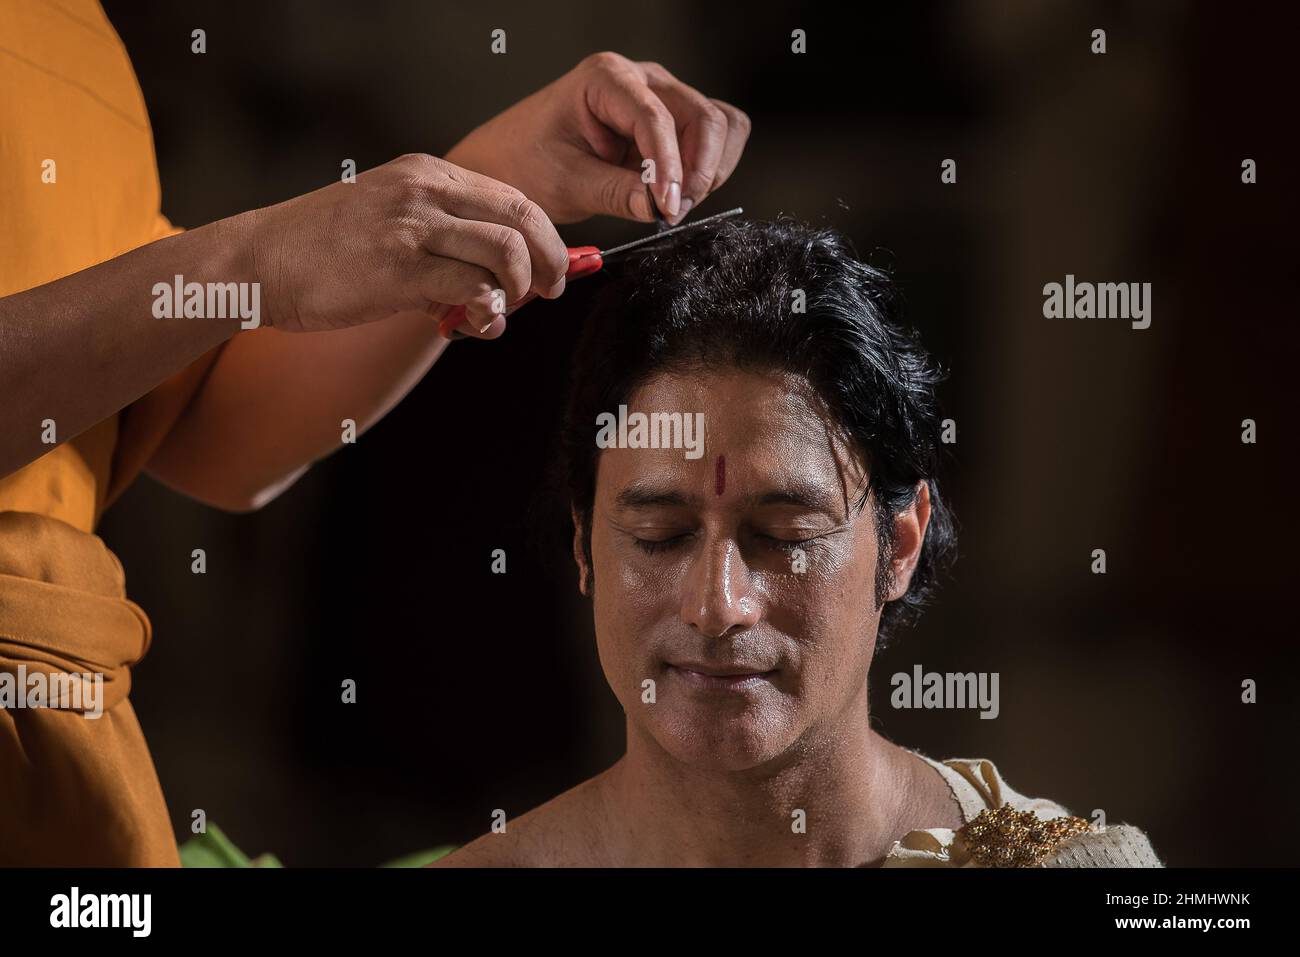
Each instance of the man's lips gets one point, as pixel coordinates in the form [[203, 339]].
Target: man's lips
[[720, 678]]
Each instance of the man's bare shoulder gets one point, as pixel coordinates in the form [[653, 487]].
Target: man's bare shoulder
[[563, 832]]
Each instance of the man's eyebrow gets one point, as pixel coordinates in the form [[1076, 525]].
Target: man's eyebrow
[[804, 495], [801, 494], [647, 495]]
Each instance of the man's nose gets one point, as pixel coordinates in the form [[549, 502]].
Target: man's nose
[[718, 594]]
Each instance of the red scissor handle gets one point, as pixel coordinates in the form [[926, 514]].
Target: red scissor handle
[[583, 261]]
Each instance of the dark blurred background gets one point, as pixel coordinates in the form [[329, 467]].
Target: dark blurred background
[[479, 691]]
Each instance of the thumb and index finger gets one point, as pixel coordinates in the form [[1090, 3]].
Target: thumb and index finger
[[692, 142], [623, 102]]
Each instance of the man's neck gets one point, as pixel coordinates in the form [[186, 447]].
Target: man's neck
[[853, 787]]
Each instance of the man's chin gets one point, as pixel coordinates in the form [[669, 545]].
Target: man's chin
[[721, 743]]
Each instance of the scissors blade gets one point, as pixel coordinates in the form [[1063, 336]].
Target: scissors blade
[[606, 253]]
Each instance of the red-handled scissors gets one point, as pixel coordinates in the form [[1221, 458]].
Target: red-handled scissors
[[583, 261]]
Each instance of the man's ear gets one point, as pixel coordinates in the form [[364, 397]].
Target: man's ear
[[579, 554], [909, 535]]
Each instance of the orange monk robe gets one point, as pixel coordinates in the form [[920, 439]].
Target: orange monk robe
[[78, 185]]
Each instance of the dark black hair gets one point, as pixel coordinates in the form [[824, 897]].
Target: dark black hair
[[725, 295]]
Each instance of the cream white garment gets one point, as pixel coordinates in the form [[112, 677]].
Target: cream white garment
[[977, 786]]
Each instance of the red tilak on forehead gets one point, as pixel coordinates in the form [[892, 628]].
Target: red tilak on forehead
[[720, 477]]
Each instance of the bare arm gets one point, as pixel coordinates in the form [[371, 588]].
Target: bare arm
[[79, 349], [405, 242], [275, 402]]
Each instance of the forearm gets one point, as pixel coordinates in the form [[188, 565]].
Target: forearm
[[77, 350], [470, 154], [275, 402], [480, 150]]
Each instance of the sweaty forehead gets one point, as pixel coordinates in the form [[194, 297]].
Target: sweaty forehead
[[770, 427]]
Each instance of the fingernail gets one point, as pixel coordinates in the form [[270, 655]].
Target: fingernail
[[687, 205], [674, 197], [554, 291], [477, 317]]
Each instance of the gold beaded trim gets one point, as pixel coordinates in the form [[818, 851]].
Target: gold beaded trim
[[1005, 837]]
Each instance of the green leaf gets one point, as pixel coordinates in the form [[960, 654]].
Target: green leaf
[[420, 858], [212, 849]]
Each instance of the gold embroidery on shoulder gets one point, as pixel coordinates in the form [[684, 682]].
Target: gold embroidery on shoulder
[[1005, 837]]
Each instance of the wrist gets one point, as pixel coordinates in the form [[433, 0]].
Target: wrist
[[237, 241], [243, 257], [208, 273]]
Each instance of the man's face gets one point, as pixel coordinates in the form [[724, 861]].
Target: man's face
[[744, 590]]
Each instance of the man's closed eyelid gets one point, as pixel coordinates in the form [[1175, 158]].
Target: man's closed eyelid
[[818, 530]]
